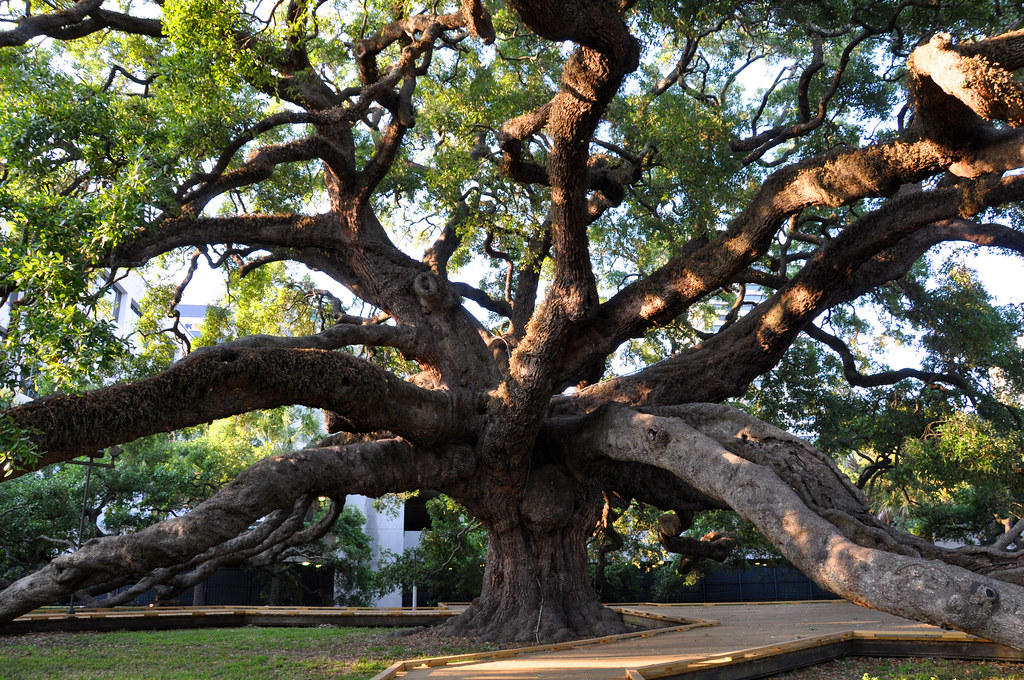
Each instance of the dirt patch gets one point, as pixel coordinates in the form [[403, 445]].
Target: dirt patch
[[413, 643]]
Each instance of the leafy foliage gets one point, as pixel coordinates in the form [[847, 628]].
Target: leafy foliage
[[933, 460], [349, 551]]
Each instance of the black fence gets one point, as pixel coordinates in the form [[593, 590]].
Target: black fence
[[312, 586], [753, 584], [299, 585]]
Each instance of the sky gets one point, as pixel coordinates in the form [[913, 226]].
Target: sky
[[1002, 274]]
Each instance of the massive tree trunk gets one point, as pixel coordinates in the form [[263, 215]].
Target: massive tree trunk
[[536, 582], [537, 585]]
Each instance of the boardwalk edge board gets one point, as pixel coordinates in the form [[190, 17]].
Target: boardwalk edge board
[[744, 664]]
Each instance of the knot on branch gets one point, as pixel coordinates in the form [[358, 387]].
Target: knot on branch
[[659, 439], [65, 572], [974, 607], [984, 594], [427, 287]]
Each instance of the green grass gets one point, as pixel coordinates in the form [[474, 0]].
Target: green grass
[[235, 653], [862, 668]]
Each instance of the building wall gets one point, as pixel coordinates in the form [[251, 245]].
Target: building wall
[[387, 533], [192, 318], [125, 295], [128, 300]]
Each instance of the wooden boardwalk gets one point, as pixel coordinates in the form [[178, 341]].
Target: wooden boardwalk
[[158, 618], [746, 638]]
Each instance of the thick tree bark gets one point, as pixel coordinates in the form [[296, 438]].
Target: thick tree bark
[[537, 588], [223, 381]]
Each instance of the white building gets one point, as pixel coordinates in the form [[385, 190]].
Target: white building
[[125, 297], [123, 304], [391, 530], [191, 319]]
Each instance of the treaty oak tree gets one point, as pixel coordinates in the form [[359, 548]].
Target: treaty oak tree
[[618, 166]]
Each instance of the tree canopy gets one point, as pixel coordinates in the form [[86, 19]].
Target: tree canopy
[[569, 232]]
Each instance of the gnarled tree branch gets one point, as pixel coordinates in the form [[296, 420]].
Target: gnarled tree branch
[[83, 18], [222, 382], [270, 485], [858, 379]]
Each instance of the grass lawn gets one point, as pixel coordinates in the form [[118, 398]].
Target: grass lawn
[[339, 654], [862, 668], [235, 653]]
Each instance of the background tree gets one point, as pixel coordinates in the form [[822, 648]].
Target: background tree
[[942, 463], [349, 551], [614, 191], [448, 563], [39, 523]]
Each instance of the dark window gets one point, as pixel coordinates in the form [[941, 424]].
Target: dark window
[[416, 517]]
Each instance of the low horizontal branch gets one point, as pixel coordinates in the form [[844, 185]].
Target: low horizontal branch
[[270, 485], [901, 584], [225, 381]]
